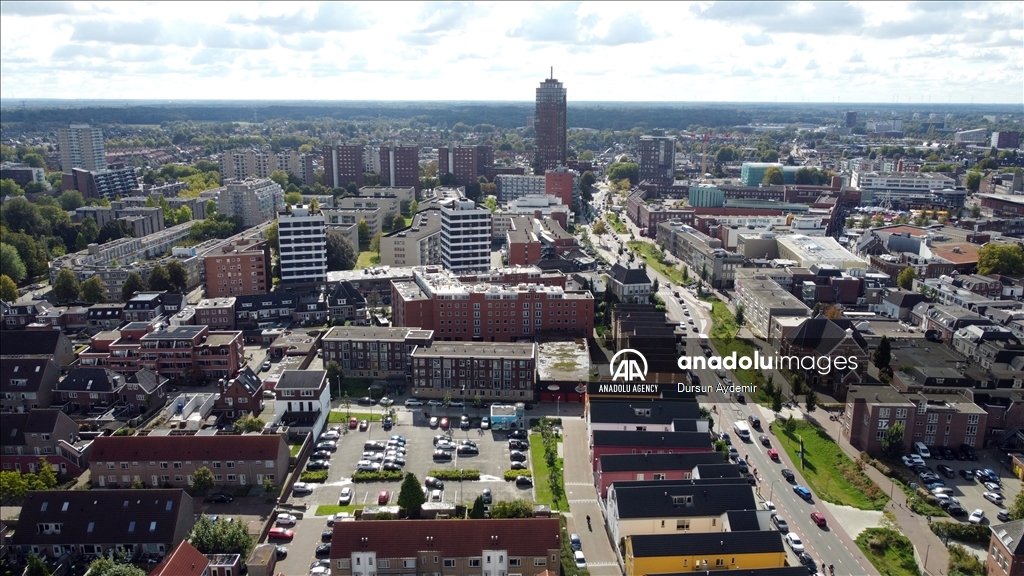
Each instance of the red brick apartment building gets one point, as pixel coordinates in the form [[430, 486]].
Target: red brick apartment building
[[240, 268]]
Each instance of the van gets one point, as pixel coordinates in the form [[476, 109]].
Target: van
[[754, 421], [742, 430], [922, 450]]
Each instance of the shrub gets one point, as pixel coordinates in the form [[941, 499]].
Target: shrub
[[313, 476], [468, 475], [380, 476], [511, 475], [963, 532]]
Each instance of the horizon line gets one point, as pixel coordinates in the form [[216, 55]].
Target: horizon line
[[21, 100]]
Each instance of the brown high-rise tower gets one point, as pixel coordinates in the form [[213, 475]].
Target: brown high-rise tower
[[551, 123]]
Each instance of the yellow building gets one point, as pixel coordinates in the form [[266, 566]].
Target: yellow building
[[668, 553]]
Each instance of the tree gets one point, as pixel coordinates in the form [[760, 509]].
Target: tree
[[398, 223], [599, 228], [293, 198], [739, 314], [268, 486], [973, 181], [13, 486], [414, 207], [280, 177], [20, 215], [515, 509], [249, 423], [883, 354], [906, 278], [8, 289], [177, 276], [878, 221], [44, 478], [159, 280], [773, 176], [10, 188], [221, 537], [777, 400], [975, 210], [1017, 508], [770, 156], [375, 244], [491, 203], [36, 567], [314, 206], [364, 234], [1001, 259], [340, 253], [132, 284], [71, 200], [334, 374], [810, 400], [623, 170], [34, 160], [411, 495], [477, 511], [65, 286], [11, 264], [89, 229], [203, 479], [114, 230], [892, 441], [211, 208], [104, 566], [383, 515]]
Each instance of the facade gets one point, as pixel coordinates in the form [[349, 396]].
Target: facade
[[144, 221], [1003, 140], [343, 165], [41, 433], [752, 173], [217, 313], [512, 186], [705, 256], [764, 300], [254, 200], [675, 553], [494, 371], [614, 468], [27, 384], [346, 304], [901, 181], [102, 183], [416, 245], [240, 395], [524, 248], [303, 238], [81, 146], [526, 546], [400, 166], [239, 268], [171, 461], [465, 236], [630, 285], [822, 338], [551, 123], [499, 313], [465, 163], [374, 352], [562, 183], [302, 400], [1006, 549], [22, 174], [657, 159], [144, 306]]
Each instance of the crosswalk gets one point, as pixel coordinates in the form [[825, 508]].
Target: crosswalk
[[590, 501], [578, 484]]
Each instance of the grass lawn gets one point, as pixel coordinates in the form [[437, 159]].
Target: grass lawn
[[616, 224], [724, 340], [829, 472], [367, 259], [541, 483], [339, 416], [332, 509], [652, 256], [890, 552], [293, 449]]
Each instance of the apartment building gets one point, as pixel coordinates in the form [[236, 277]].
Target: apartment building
[[657, 158], [389, 205], [465, 163], [240, 395], [303, 238], [550, 122], [101, 183], [764, 299], [823, 338], [562, 183], [171, 461], [455, 310], [691, 552], [373, 352], [347, 305], [1006, 549], [144, 221], [512, 186], [617, 468], [522, 244], [630, 285], [81, 146], [465, 236], [416, 245], [254, 200], [705, 256], [217, 313], [400, 166], [504, 371], [303, 400], [238, 268]]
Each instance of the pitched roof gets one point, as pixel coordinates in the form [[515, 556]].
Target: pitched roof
[[780, 571], [29, 342], [1011, 534], [31, 369], [184, 561], [823, 334], [301, 379], [743, 520], [640, 462], [658, 499], [249, 380], [91, 380], [408, 538], [904, 299], [642, 439], [102, 516], [689, 543], [628, 276], [220, 447], [13, 427], [148, 380], [661, 412]]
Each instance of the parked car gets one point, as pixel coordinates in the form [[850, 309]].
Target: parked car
[[966, 475], [366, 401], [329, 445], [802, 492], [794, 542], [367, 466], [519, 466], [302, 488], [318, 465], [280, 552], [266, 366], [514, 444], [353, 423], [977, 517], [323, 550], [969, 452], [734, 454], [991, 486], [993, 497], [446, 445], [519, 434], [400, 439], [326, 535], [432, 482], [467, 450], [398, 460], [1004, 515], [220, 498], [946, 471], [345, 498], [413, 402], [575, 543], [579, 559], [280, 534], [434, 421], [780, 523], [485, 423], [285, 520], [434, 402], [442, 455], [364, 425], [386, 402], [464, 422], [524, 481], [819, 519], [517, 456], [949, 454], [444, 424], [387, 423]]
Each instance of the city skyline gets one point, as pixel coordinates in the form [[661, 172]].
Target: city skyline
[[699, 52]]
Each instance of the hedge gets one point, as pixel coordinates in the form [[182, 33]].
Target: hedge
[[511, 475], [380, 476], [313, 476], [976, 533], [455, 474]]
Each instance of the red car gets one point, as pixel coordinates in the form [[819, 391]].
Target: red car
[[383, 497], [280, 534], [444, 423], [773, 454], [818, 519], [352, 423]]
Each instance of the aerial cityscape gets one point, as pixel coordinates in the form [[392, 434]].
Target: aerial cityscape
[[610, 289]]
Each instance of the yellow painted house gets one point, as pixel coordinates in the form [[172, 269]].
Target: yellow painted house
[[670, 553]]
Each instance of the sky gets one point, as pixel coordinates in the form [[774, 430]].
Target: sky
[[608, 51]]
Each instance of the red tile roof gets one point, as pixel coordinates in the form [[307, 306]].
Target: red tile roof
[[221, 447], [184, 561], [448, 538]]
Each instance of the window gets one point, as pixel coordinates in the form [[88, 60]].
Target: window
[[540, 562], [473, 563], [683, 524], [410, 563], [449, 563], [719, 563], [513, 562], [383, 563]]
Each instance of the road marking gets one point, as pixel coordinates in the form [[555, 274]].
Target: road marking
[[590, 501], [600, 564], [578, 484]]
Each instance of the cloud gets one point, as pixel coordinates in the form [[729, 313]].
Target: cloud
[[72, 51], [441, 19], [329, 17], [37, 8], [824, 18], [149, 32], [760, 39], [626, 29], [684, 69], [812, 65], [222, 38], [856, 57], [562, 25], [557, 23]]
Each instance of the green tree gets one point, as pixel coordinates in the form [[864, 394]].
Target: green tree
[[177, 276], [383, 515], [906, 278], [89, 229], [975, 210], [996, 258], [71, 200], [878, 221], [477, 511], [777, 400], [810, 400], [411, 495], [34, 160], [221, 537], [314, 206], [44, 478], [883, 354], [10, 188], [114, 230], [739, 314], [414, 207], [375, 244], [65, 286], [599, 228], [623, 170], [293, 198], [211, 207], [249, 423], [398, 222], [973, 181], [1017, 508], [515, 509], [132, 284], [11, 264], [203, 479], [8, 289], [20, 215], [36, 567], [334, 374], [268, 486], [892, 441], [104, 566], [340, 254], [773, 176], [274, 237], [364, 234], [159, 280], [770, 156], [491, 203], [13, 486]]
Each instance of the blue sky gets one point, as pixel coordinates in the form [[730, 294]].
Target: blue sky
[[621, 51]]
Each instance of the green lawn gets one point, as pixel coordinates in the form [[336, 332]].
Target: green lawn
[[652, 256], [616, 224], [890, 552], [725, 342], [294, 449], [541, 483], [367, 259], [829, 472], [332, 509], [339, 416]]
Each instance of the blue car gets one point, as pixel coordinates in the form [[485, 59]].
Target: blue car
[[992, 476], [802, 492], [399, 439]]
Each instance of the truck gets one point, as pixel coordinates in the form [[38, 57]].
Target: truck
[[702, 339], [742, 430]]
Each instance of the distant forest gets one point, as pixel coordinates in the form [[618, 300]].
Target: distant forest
[[599, 116]]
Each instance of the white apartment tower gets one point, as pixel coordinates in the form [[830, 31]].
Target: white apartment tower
[[465, 236], [81, 146], [303, 238], [254, 200]]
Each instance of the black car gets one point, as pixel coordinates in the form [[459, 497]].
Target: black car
[[766, 441], [467, 449], [966, 474], [318, 465], [750, 478], [806, 560], [956, 511], [780, 523], [935, 452], [517, 456], [323, 550], [519, 434], [326, 535], [219, 498], [946, 471], [949, 454], [788, 474], [464, 423], [529, 406], [514, 444], [320, 455], [388, 423], [391, 466], [969, 452], [366, 401], [327, 446], [281, 552], [519, 466], [442, 455], [432, 482], [524, 481]]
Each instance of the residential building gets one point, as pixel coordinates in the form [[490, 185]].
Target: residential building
[[94, 391], [41, 433], [303, 400], [217, 313], [454, 310], [101, 183], [512, 186], [1003, 140], [263, 310], [144, 306], [465, 236], [22, 174], [254, 200], [807, 251], [81, 146], [465, 163], [821, 338], [19, 317], [51, 344], [242, 267], [991, 348], [527, 546], [95, 522], [185, 560], [649, 416], [495, 371], [172, 460], [551, 123], [346, 305], [343, 165], [615, 468], [674, 553], [562, 183], [657, 158], [177, 352], [605, 442], [105, 317], [644, 327], [400, 166], [416, 245], [143, 221], [374, 352], [764, 299], [630, 285], [27, 383], [524, 247], [704, 256], [1006, 549], [303, 238]]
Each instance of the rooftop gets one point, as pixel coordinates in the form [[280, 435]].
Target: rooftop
[[377, 333], [686, 544], [477, 350], [302, 379], [677, 461], [656, 499], [467, 538], [567, 360]]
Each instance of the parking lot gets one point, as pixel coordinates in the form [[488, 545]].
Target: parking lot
[[492, 462], [969, 493]]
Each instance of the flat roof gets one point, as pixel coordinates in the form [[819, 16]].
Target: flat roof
[[477, 350], [563, 361]]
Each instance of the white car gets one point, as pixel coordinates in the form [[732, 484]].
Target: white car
[[302, 488], [345, 498], [330, 435], [977, 517], [770, 506], [367, 466], [434, 402], [386, 401], [413, 402], [581, 561], [993, 497], [286, 520], [794, 542]]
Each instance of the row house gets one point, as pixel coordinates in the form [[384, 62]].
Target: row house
[[41, 433], [217, 313], [613, 468], [374, 352], [97, 390], [346, 305], [302, 400], [946, 320], [990, 347], [256, 310], [171, 461], [240, 395], [72, 319], [144, 306], [52, 344], [27, 383], [139, 525], [650, 416], [19, 316], [605, 442], [192, 352], [757, 553], [505, 371], [103, 317], [185, 560]]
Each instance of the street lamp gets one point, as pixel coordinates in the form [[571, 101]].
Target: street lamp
[[771, 492], [926, 556]]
